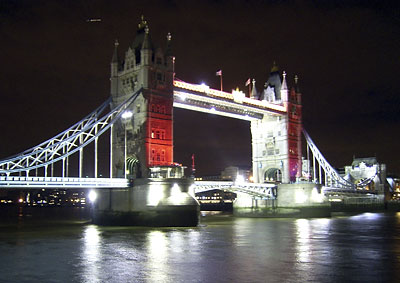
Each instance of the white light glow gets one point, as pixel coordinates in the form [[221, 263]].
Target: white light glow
[[175, 190], [205, 87], [300, 197], [239, 179], [127, 114], [316, 196], [92, 196], [155, 195]]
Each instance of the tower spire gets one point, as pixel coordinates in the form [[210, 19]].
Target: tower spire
[[168, 49], [115, 54], [254, 90], [284, 88], [296, 85], [284, 84], [146, 42]]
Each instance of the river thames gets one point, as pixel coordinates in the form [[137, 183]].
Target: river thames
[[360, 248]]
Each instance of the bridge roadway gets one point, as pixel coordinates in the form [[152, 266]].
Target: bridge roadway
[[264, 191], [61, 183]]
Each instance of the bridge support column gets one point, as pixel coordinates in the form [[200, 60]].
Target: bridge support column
[[150, 202], [293, 200], [246, 205], [302, 200]]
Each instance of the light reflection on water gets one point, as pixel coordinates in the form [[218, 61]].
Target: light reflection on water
[[91, 254], [157, 246], [303, 240], [223, 249]]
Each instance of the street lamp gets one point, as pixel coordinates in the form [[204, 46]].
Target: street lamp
[[125, 117]]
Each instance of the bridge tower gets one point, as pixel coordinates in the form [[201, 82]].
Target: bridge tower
[[144, 136], [276, 139]]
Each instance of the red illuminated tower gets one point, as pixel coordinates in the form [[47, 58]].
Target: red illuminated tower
[[294, 132], [147, 131]]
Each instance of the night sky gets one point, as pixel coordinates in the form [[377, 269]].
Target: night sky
[[54, 69]]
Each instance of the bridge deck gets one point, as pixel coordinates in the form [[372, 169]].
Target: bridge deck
[[60, 182]]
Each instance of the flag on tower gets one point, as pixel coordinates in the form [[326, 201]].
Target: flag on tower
[[247, 82], [218, 73]]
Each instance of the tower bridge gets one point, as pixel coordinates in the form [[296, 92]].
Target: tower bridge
[[144, 183]]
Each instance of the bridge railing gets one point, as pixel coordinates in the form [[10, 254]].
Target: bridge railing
[[60, 182], [263, 191]]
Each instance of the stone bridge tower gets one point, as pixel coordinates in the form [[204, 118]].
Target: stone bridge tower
[[276, 139], [146, 127]]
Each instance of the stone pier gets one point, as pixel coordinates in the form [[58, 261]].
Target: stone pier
[[149, 202], [293, 200]]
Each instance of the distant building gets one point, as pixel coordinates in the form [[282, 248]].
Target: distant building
[[368, 171], [232, 173], [394, 186]]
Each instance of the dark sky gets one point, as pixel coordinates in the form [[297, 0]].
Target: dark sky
[[54, 69]]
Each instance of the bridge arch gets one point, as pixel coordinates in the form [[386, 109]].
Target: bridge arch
[[273, 175], [133, 166]]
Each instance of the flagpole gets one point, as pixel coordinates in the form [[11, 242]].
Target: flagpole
[[248, 83], [219, 73]]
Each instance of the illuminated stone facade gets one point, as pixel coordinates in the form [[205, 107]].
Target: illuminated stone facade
[[147, 129], [276, 139]]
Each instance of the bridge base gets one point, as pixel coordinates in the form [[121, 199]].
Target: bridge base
[[150, 202], [293, 200]]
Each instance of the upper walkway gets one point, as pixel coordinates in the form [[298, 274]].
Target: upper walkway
[[202, 98]]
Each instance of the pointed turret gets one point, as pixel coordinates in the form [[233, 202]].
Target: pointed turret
[[140, 40], [146, 45], [297, 89], [284, 88], [146, 51], [254, 94], [296, 83], [168, 49], [115, 54], [114, 69], [272, 88]]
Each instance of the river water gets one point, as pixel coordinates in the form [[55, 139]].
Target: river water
[[361, 248]]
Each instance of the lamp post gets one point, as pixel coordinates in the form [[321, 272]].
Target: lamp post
[[125, 117]]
